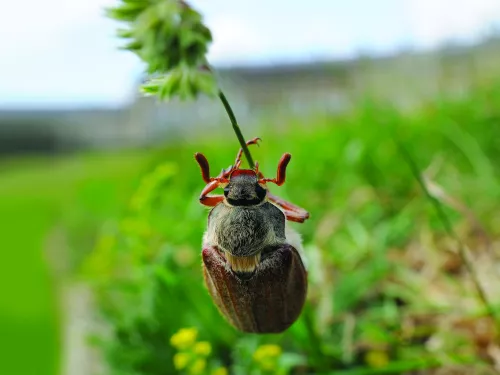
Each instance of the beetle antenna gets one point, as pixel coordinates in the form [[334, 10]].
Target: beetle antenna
[[204, 166], [281, 172]]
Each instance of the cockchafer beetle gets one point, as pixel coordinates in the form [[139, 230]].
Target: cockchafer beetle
[[251, 257]]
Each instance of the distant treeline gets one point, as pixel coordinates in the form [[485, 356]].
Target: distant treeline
[[405, 79]]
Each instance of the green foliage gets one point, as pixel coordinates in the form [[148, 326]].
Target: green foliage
[[387, 292], [182, 81], [51, 210], [170, 37]]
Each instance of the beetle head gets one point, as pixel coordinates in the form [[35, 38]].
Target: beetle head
[[244, 188]]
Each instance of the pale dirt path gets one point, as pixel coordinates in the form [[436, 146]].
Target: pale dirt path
[[76, 309], [78, 357]]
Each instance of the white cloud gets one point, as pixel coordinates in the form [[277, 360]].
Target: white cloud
[[41, 23], [263, 31], [64, 50], [434, 22], [235, 39]]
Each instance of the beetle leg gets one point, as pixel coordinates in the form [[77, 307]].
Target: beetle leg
[[212, 200], [259, 173], [226, 172], [281, 172], [293, 216], [285, 204], [292, 212], [253, 141]]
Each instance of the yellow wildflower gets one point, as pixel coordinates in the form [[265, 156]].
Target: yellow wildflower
[[220, 371], [376, 358], [181, 360], [265, 352], [266, 356], [184, 338], [198, 367], [202, 348]]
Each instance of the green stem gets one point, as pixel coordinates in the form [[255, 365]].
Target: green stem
[[237, 129], [449, 229], [395, 367], [318, 358]]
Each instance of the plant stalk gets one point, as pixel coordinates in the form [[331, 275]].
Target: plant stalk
[[236, 129], [234, 123], [449, 229]]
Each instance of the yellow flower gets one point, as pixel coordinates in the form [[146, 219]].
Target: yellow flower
[[376, 358], [203, 348], [266, 356], [265, 352], [220, 371], [181, 360], [185, 338], [198, 367]]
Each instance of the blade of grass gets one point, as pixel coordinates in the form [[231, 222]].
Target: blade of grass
[[236, 129], [396, 367], [449, 229]]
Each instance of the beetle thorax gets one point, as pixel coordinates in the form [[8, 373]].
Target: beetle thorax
[[244, 190], [243, 233]]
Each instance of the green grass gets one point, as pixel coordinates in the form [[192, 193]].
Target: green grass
[[388, 293], [38, 195], [385, 279]]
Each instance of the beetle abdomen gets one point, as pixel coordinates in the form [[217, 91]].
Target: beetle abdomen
[[270, 301]]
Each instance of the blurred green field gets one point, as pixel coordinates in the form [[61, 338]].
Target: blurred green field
[[40, 197], [388, 292]]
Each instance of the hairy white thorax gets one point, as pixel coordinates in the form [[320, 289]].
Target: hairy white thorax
[[245, 234]]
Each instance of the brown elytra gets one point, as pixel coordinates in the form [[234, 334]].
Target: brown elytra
[[270, 301]]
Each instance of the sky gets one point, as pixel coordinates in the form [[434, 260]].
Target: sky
[[63, 53]]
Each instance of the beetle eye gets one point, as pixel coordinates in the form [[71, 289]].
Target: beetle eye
[[261, 192], [226, 191]]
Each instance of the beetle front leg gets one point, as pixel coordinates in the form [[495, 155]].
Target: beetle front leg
[[211, 200], [292, 212], [253, 141], [293, 216]]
